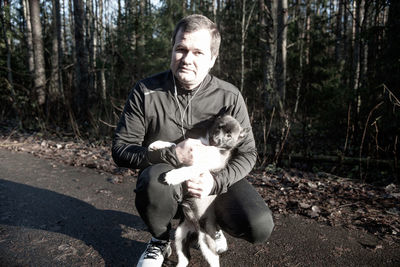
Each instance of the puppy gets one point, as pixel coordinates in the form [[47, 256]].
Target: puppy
[[199, 222]]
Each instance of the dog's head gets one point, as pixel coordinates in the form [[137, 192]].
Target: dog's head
[[226, 132]]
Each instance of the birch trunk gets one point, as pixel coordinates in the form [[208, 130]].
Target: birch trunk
[[270, 53], [281, 51], [358, 15], [242, 45]]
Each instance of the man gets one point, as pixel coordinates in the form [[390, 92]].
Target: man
[[175, 106]]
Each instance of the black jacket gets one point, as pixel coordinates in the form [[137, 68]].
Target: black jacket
[[152, 113]]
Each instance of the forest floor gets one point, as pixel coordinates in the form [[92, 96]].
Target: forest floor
[[361, 218]]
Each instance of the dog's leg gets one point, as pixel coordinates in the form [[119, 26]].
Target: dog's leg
[[207, 247], [160, 144], [180, 175], [210, 227], [181, 244]]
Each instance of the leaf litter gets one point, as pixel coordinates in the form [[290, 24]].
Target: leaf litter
[[333, 200]]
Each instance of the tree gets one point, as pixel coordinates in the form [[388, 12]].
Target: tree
[[91, 44], [339, 32], [269, 23], [244, 25], [37, 41], [81, 68], [56, 84], [100, 24], [28, 37], [280, 71]]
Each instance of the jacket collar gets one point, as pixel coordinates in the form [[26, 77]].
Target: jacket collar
[[181, 90]]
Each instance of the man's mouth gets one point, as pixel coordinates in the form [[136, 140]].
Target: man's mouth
[[185, 69]]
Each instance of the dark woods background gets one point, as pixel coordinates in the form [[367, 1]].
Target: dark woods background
[[321, 77]]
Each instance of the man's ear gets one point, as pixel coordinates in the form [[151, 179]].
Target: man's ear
[[213, 59]]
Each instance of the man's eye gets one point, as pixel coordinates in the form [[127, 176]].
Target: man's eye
[[180, 49]]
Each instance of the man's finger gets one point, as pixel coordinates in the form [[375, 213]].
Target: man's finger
[[194, 185]]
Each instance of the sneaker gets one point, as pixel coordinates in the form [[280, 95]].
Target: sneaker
[[155, 253], [220, 242]]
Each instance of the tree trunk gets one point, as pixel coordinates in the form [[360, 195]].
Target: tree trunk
[[141, 41], [5, 22], [345, 29], [39, 71], [364, 47], [280, 72], [101, 53], [270, 53], [131, 6], [300, 45], [282, 12], [244, 26], [392, 52], [81, 67], [28, 36], [90, 44], [64, 30], [55, 88], [307, 33], [242, 44], [339, 35], [359, 16]]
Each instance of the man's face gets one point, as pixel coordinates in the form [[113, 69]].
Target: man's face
[[191, 57]]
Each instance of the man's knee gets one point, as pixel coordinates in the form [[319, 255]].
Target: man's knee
[[150, 187], [150, 179], [261, 227]]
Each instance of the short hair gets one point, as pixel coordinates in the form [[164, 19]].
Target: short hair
[[198, 22]]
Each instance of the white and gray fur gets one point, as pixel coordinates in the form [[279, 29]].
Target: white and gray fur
[[199, 222]]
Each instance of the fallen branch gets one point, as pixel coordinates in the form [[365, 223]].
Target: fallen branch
[[342, 160]]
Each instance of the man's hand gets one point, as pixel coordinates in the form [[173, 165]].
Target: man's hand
[[186, 149], [201, 186]]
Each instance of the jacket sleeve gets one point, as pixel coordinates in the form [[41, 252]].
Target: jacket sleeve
[[243, 158], [127, 148]]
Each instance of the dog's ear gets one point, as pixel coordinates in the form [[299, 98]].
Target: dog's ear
[[226, 111]]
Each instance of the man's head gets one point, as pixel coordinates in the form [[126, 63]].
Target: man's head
[[196, 41], [197, 22]]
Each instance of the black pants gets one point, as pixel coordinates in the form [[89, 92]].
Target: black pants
[[241, 211]]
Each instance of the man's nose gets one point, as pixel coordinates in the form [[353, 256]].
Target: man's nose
[[188, 57]]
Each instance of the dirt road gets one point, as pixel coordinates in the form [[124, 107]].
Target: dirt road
[[58, 215]]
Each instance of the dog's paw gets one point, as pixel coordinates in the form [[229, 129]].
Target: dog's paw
[[171, 178], [160, 144], [221, 245]]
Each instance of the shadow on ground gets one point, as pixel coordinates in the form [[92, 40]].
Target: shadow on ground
[[105, 233]]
